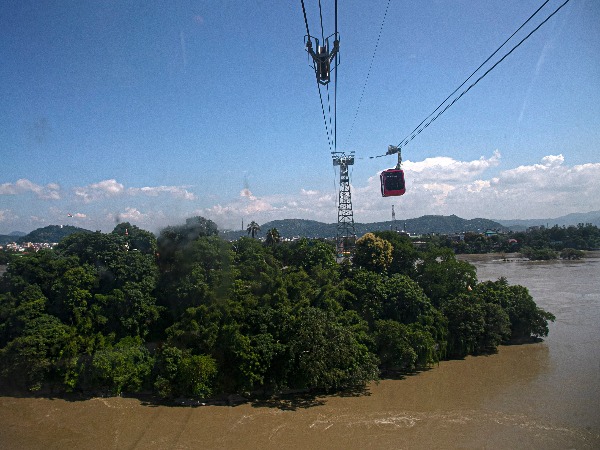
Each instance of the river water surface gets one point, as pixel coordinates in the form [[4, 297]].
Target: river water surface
[[536, 396]]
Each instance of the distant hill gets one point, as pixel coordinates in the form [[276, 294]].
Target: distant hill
[[12, 237], [432, 224], [289, 228], [51, 233], [6, 239], [592, 217]]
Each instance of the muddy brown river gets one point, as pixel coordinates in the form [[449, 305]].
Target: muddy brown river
[[536, 396]]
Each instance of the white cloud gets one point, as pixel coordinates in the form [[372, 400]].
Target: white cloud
[[547, 189], [132, 214], [111, 188], [444, 186], [309, 204], [447, 186], [101, 190], [446, 168], [49, 192], [179, 192]]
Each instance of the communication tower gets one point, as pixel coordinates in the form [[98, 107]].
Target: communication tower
[[346, 234]]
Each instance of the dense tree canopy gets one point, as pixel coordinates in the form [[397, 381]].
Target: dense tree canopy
[[535, 243], [190, 314]]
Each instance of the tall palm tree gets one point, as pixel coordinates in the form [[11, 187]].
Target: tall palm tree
[[273, 237], [253, 228]]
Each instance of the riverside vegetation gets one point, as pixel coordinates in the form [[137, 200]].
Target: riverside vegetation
[[192, 315], [537, 243]]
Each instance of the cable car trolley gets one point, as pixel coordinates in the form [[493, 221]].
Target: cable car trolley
[[392, 180], [323, 60]]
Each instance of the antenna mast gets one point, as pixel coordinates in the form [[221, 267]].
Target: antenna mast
[[346, 234]]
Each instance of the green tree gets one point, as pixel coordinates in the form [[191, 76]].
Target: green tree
[[466, 324], [31, 358], [442, 276], [526, 318], [393, 345], [273, 237], [253, 229], [404, 300], [373, 253], [404, 254], [367, 294], [571, 253], [327, 354], [136, 238], [181, 373], [539, 254], [126, 366], [308, 254]]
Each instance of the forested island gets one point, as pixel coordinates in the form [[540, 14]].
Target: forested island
[[536, 243], [189, 314]]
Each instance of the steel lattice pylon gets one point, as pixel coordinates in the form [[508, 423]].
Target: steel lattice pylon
[[346, 234]]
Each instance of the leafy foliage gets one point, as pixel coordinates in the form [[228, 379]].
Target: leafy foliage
[[373, 253], [190, 314]]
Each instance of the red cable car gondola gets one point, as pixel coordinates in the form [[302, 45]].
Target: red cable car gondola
[[392, 182]]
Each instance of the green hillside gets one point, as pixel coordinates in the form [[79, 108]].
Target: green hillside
[[51, 233], [290, 228]]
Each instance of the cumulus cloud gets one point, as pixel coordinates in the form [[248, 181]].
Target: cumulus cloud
[[309, 204], [49, 192], [253, 205], [111, 188], [549, 188], [97, 191], [179, 192], [449, 169], [132, 214]]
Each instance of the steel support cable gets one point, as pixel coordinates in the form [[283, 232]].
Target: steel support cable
[[305, 19], [330, 129], [336, 18], [331, 132], [318, 86], [420, 128], [335, 82], [324, 118], [335, 103], [321, 19], [476, 70], [368, 73]]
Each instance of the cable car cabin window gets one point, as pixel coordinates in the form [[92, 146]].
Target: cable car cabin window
[[392, 182]]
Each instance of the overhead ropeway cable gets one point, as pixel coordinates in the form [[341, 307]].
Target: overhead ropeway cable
[[325, 58], [431, 117]]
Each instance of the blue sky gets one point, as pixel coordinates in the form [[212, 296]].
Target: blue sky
[[151, 112]]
